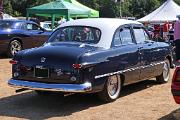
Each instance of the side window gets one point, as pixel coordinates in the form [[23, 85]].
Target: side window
[[29, 26], [24, 26], [32, 27], [146, 35], [116, 39], [140, 35], [35, 27], [126, 36]]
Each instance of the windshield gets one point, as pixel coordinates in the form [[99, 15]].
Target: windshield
[[82, 34], [6, 24]]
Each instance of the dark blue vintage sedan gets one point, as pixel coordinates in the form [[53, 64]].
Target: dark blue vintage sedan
[[92, 56], [20, 34]]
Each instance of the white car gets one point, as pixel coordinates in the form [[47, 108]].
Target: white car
[[46, 25]]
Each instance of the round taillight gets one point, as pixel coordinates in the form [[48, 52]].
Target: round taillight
[[77, 66], [13, 62]]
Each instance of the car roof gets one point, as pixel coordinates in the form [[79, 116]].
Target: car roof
[[28, 21], [108, 26], [99, 22]]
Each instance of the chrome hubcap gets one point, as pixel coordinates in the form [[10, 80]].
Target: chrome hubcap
[[15, 47], [166, 71], [113, 86]]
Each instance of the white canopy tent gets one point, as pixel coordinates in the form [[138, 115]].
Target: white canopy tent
[[166, 12]]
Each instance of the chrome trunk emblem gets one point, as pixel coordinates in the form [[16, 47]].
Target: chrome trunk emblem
[[59, 72], [43, 59]]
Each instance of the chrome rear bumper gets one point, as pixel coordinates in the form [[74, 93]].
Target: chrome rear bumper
[[86, 87]]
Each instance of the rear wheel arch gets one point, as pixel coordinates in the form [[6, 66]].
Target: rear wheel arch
[[122, 76], [18, 39], [164, 77], [112, 88], [18, 45], [170, 61]]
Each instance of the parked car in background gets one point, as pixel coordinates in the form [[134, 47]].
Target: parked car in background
[[175, 87], [7, 16], [46, 25], [20, 34], [92, 56]]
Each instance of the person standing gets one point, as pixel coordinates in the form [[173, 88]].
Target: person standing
[[165, 31], [177, 38], [1, 9], [62, 20]]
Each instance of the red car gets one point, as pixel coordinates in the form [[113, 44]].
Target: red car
[[175, 87]]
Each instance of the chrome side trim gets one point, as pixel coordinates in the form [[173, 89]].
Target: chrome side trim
[[128, 70], [108, 74], [86, 87]]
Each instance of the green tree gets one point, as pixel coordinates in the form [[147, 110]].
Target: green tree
[[91, 3], [177, 1], [141, 8], [8, 6], [107, 8], [18, 7], [126, 8]]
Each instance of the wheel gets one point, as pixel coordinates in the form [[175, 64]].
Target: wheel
[[111, 89], [14, 47], [165, 76]]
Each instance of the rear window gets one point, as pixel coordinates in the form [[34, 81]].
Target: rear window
[[82, 34]]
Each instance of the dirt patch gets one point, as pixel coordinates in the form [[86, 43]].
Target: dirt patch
[[142, 101]]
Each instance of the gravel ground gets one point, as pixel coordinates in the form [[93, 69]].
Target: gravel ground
[[142, 101]]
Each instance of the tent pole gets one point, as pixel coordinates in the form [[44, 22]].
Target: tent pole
[[89, 14], [27, 16], [68, 16], [52, 21]]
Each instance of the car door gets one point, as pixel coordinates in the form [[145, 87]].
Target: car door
[[37, 36], [147, 50], [128, 56]]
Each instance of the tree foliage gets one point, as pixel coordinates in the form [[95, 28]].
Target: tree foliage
[[107, 8], [141, 8], [18, 7]]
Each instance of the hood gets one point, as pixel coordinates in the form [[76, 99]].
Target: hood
[[5, 31], [54, 54], [9, 31]]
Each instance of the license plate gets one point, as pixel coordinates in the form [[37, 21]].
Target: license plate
[[41, 72]]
